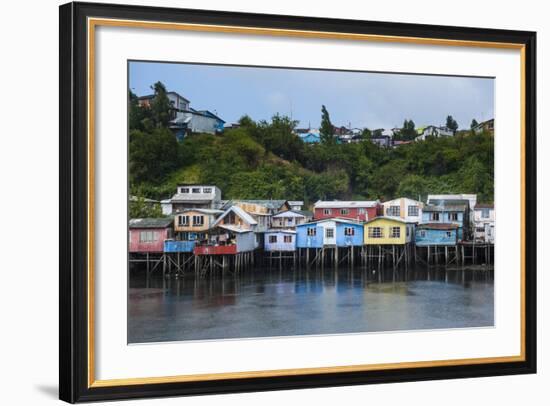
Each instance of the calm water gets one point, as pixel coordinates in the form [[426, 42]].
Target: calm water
[[265, 303]]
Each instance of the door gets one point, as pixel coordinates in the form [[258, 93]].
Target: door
[[330, 236]]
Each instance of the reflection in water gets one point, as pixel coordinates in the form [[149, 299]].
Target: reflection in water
[[264, 303]]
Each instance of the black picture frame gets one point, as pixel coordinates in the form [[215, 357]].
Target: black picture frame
[[73, 256]]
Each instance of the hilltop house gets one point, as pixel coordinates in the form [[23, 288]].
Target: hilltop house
[[353, 210], [404, 208], [433, 131], [485, 127], [484, 223], [184, 119]]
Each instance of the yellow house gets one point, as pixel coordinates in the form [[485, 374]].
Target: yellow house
[[386, 230], [195, 220]]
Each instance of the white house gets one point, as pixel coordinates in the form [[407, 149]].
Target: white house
[[290, 219], [192, 196], [433, 131], [404, 208], [484, 223]]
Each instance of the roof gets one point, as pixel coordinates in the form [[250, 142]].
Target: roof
[[335, 219], [204, 211], [439, 226], [150, 96], [239, 212], [276, 230], [398, 220], [398, 199], [446, 207], [163, 222], [290, 213], [190, 198], [270, 204], [296, 202], [344, 204], [484, 206], [234, 229], [209, 113]]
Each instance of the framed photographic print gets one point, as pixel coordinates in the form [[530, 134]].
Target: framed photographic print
[[256, 202]]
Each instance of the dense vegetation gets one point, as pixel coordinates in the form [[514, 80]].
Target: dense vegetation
[[266, 160]]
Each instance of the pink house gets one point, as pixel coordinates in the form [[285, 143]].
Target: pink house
[[148, 234], [359, 210]]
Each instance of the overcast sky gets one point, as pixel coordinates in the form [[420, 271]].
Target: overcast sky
[[362, 99]]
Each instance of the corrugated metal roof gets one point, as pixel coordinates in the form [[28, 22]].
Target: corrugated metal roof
[[276, 230], [439, 226], [335, 219], [151, 222], [445, 207], [398, 220], [234, 229], [337, 204], [270, 204], [239, 212]]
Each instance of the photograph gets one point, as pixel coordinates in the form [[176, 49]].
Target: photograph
[[284, 201]]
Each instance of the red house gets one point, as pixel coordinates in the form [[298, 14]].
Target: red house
[[359, 210], [148, 234]]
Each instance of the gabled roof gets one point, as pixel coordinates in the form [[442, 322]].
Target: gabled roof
[[439, 226], [163, 222], [293, 213], [238, 212], [340, 204]]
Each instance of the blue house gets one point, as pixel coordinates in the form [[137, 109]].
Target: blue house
[[329, 232], [449, 212], [436, 234], [311, 137], [174, 246], [280, 240]]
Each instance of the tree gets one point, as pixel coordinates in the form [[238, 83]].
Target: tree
[[366, 134], [407, 132], [452, 124], [474, 123], [160, 106], [140, 208], [139, 118], [326, 131]]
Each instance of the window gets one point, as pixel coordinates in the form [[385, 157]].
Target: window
[[362, 210], [184, 190], [147, 236], [413, 211], [395, 232], [375, 232], [394, 211], [485, 213], [453, 216], [408, 231], [344, 212], [422, 233], [207, 190], [198, 220], [311, 231], [196, 190], [327, 212], [349, 231], [183, 220], [480, 229], [272, 239], [287, 238], [329, 233], [448, 234], [435, 217]]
